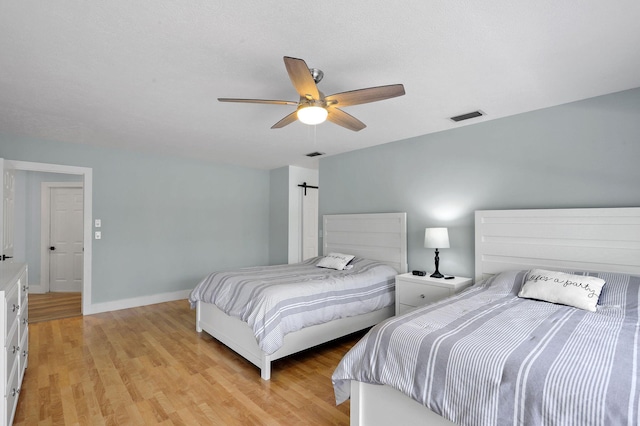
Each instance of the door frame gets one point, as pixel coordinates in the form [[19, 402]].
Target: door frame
[[45, 229], [87, 174]]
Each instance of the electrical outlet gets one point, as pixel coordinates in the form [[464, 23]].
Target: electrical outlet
[[98, 235], [98, 223]]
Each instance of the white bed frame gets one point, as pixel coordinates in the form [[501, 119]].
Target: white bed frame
[[377, 236], [605, 239]]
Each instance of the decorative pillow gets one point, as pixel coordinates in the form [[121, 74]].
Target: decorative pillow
[[335, 261], [567, 289]]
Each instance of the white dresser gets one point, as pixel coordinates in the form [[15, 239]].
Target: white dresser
[[15, 335]]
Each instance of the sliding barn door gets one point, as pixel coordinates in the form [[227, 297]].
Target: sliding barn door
[[310, 224]]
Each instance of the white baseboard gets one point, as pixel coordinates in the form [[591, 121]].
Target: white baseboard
[[43, 288], [36, 288], [134, 302]]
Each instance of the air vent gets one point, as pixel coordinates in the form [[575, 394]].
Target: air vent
[[467, 116], [314, 154]]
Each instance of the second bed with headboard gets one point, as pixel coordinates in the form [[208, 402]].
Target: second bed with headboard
[[534, 341]]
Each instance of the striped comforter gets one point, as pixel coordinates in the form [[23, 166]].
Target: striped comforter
[[487, 357], [276, 300]]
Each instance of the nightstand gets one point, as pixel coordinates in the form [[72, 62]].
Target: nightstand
[[413, 290]]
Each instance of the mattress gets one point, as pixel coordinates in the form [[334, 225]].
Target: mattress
[[488, 357], [279, 299]]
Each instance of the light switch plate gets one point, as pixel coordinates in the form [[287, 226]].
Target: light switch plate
[[98, 223], [98, 235]]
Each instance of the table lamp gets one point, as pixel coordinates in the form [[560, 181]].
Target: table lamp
[[436, 238]]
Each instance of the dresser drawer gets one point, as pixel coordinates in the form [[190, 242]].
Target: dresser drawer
[[12, 351], [23, 288], [419, 294], [11, 398], [24, 318], [24, 355], [12, 307]]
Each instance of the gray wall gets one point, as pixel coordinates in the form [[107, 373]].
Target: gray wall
[[166, 222], [583, 154], [279, 216]]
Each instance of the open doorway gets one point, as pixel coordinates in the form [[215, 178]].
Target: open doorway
[[59, 291], [51, 176]]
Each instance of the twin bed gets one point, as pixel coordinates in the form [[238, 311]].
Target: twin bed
[[489, 357], [379, 242], [495, 353]]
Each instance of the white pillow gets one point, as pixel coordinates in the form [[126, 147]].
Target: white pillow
[[567, 289], [335, 261]]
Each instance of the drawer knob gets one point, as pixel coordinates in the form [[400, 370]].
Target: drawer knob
[[422, 296]]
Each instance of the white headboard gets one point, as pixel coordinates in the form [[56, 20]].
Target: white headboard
[[376, 236], [599, 239]]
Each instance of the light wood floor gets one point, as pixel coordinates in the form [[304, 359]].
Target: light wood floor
[[54, 305], [148, 365]]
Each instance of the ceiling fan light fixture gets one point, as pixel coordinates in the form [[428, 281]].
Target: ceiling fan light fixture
[[312, 115], [313, 106]]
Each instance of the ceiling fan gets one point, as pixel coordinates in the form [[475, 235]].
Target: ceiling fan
[[314, 107]]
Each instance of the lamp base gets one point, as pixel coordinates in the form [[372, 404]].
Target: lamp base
[[437, 273]]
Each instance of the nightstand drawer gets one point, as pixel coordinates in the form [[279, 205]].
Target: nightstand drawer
[[420, 294]]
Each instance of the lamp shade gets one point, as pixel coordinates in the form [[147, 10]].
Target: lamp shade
[[312, 114], [436, 238]]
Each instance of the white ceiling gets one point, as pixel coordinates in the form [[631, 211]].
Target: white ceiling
[[145, 74]]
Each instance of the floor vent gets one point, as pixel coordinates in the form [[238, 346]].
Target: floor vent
[[467, 116], [314, 154]]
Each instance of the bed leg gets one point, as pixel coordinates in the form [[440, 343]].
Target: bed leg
[[265, 373], [265, 370], [198, 328]]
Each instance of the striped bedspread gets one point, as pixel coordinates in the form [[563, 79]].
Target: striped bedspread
[[276, 300], [487, 357]]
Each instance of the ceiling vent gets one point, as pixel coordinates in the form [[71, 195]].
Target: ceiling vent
[[467, 116], [314, 154]]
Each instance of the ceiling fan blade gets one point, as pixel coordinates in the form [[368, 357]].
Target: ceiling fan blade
[[301, 77], [286, 121], [258, 101], [363, 96], [343, 119]]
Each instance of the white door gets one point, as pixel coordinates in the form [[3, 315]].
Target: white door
[[66, 240], [310, 224], [8, 209]]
